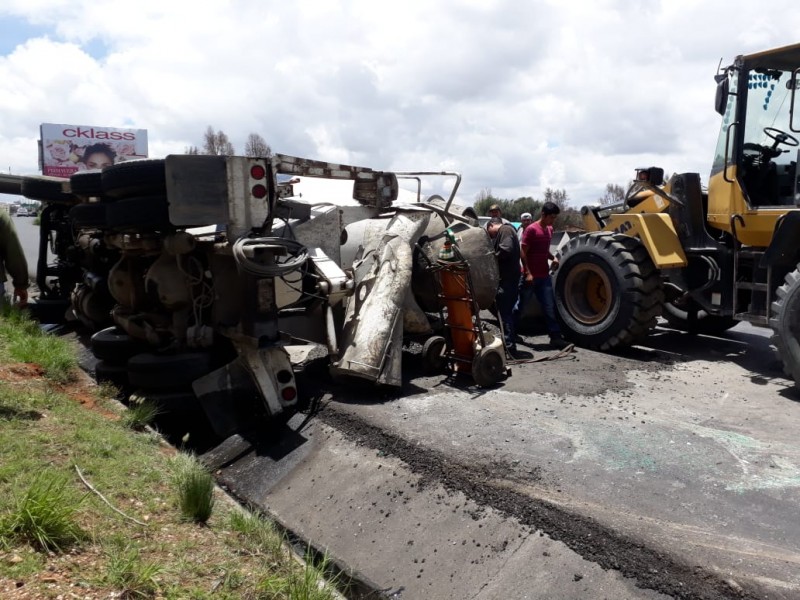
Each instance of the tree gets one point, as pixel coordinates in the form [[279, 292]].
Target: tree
[[522, 205], [614, 194], [558, 197], [191, 150], [257, 146], [484, 200], [217, 143]]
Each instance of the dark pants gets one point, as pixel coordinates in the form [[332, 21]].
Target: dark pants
[[506, 300], [542, 288]]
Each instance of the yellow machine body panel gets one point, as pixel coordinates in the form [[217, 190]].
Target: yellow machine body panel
[[655, 231]]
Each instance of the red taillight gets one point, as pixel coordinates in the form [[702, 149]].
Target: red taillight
[[259, 191], [288, 393], [258, 172]]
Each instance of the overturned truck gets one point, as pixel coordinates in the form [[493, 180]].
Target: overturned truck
[[206, 278]]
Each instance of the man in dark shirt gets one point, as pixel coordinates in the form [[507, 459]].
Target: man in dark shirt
[[507, 251]]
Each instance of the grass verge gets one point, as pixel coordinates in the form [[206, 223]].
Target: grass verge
[[91, 508]]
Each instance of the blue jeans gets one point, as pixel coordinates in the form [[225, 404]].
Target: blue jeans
[[542, 288], [506, 301]]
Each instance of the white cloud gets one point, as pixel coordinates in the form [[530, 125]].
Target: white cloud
[[515, 96]]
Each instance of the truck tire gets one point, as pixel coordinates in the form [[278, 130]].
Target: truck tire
[[608, 292], [146, 212], [47, 189], [114, 346], [135, 178], [785, 324], [86, 184], [688, 317], [116, 375], [89, 215], [167, 372]]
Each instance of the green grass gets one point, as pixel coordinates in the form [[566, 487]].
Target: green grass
[[141, 413], [256, 535], [128, 572], [195, 488], [44, 513], [303, 584], [24, 341], [136, 541]]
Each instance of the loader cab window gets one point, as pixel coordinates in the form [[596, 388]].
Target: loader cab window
[[769, 150]]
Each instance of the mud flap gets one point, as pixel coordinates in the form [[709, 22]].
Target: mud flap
[[247, 391], [230, 399]]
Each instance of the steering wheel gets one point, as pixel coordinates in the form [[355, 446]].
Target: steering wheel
[[780, 137]]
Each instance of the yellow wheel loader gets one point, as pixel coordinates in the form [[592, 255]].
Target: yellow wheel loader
[[704, 259]]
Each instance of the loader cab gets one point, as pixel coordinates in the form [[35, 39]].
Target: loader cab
[[754, 178]]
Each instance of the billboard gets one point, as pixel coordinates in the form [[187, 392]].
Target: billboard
[[66, 149]]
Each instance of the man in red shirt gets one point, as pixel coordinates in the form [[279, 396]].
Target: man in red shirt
[[536, 271]]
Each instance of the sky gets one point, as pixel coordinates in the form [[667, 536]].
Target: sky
[[516, 96]]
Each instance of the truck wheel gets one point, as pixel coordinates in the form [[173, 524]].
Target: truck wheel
[[167, 372], [135, 178], [685, 315], [785, 324], [86, 184], [89, 215], [608, 292], [116, 375], [114, 346], [147, 212], [47, 189]]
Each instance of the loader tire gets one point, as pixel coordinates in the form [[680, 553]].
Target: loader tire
[[688, 317], [608, 292], [785, 324]]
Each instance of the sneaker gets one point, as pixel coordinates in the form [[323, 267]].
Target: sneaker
[[557, 342]]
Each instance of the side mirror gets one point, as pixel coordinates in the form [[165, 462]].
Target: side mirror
[[721, 98], [656, 175]]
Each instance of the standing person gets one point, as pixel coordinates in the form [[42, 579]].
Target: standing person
[[495, 211], [507, 251], [12, 261], [526, 219], [536, 271]]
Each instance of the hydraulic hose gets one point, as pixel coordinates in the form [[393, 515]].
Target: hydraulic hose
[[298, 256]]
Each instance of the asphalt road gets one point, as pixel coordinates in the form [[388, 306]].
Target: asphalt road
[[671, 470]]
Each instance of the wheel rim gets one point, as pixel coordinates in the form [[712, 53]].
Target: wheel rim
[[487, 367], [588, 293]]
